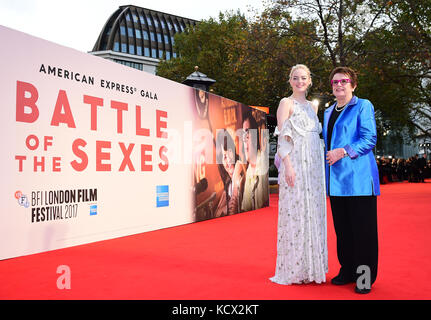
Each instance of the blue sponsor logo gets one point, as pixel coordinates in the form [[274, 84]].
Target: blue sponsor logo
[[93, 210], [162, 196]]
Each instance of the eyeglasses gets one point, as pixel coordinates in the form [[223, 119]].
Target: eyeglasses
[[343, 82]]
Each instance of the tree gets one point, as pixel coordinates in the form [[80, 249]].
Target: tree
[[249, 60], [211, 45], [411, 25], [278, 49], [386, 42], [341, 25]]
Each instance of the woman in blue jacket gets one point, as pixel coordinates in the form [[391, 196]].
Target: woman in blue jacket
[[352, 180]]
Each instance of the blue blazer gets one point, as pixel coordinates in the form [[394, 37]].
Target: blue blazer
[[355, 131]]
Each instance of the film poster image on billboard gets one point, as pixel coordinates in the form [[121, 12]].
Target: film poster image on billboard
[[230, 157], [94, 150]]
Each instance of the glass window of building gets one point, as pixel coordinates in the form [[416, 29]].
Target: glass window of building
[[130, 64], [116, 46], [136, 34]]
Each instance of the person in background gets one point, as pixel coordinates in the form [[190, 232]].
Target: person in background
[[422, 163], [231, 172], [256, 187]]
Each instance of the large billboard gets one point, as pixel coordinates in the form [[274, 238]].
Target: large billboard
[[94, 150]]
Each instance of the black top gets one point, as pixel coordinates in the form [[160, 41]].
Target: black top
[[332, 119]]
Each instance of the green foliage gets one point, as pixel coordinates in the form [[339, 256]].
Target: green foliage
[[387, 42], [215, 47]]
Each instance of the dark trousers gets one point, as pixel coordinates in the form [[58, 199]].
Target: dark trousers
[[355, 222]]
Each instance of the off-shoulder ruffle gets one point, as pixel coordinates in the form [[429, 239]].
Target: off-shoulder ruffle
[[284, 146]]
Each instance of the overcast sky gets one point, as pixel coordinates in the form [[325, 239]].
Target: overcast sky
[[77, 23]]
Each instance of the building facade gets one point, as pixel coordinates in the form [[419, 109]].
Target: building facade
[[140, 37]]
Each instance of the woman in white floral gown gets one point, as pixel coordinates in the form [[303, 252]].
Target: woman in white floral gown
[[302, 254]]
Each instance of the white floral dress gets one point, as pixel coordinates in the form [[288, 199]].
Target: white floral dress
[[302, 254]]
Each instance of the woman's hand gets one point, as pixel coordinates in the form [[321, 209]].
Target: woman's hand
[[333, 156], [289, 173]]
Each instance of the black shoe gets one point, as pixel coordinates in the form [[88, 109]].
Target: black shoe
[[340, 280], [362, 291]]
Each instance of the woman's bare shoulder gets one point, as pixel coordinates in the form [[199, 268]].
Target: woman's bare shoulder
[[284, 110], [285, 105]]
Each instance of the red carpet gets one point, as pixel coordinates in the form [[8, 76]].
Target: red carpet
[[229, 258]]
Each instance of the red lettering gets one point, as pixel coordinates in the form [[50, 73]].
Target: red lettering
[[80, 154], [47, 142], [21, 102], [163, 166], [59, 117], [100, 156], [120, 106], [40, 164], [94, 102], [56, 164], [161, 124], [140, 131], [30, 138], [126, 159], [146, 157], [20, 159]]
